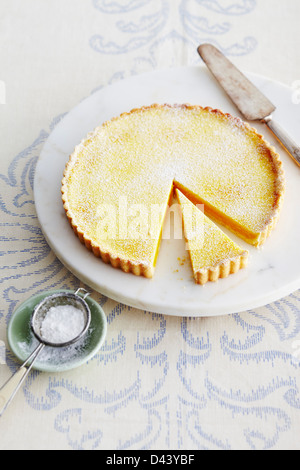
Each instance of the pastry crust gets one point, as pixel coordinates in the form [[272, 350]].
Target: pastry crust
[[223, 270], [127, 265], [145, 268], [213, 254]]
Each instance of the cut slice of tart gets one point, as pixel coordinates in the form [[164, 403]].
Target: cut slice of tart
[[213, 254], [236, 174]]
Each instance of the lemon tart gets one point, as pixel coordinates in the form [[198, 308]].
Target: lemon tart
[[119, 180], [213, 254]]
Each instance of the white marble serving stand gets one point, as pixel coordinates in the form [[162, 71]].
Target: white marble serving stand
[[273, 271]]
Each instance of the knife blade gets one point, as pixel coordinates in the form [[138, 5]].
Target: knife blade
[[250, 101]]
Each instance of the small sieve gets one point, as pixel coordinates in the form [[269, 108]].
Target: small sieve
[[10, 388], [55, 300]]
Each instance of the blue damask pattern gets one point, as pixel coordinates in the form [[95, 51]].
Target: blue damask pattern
[[189, 415], [197, 21]]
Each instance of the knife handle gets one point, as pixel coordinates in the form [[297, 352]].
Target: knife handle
[[286, 141]]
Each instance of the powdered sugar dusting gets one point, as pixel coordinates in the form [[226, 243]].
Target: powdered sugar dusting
[[62, 324], [140, 154]]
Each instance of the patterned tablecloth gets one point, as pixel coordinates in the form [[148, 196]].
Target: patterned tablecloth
[[158, 382]]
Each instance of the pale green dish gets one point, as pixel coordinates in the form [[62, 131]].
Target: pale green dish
[[22, 341]]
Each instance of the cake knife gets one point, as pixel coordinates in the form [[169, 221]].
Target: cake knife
[[250, 101]]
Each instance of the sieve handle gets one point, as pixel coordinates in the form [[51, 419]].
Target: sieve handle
[[8, 391], [84, 292], [11, 387]]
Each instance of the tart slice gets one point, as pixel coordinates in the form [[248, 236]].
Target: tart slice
[[213, 254]]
